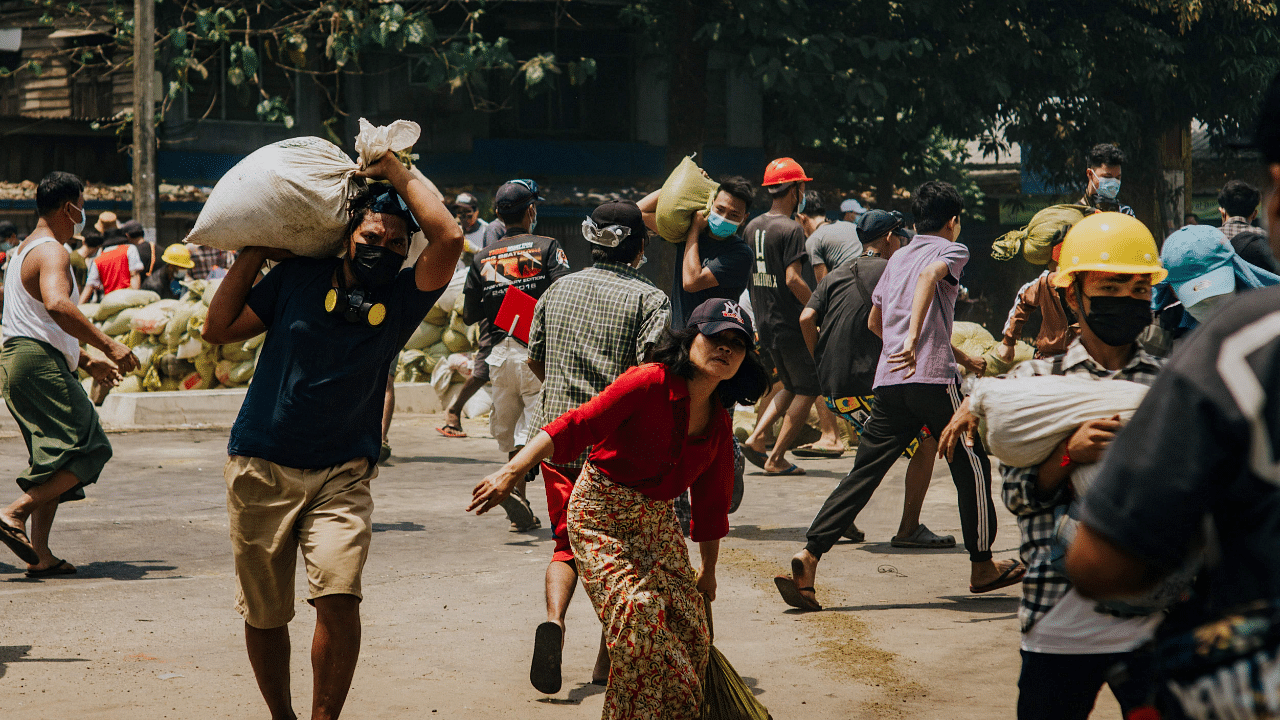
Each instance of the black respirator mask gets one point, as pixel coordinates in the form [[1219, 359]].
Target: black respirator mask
[[375, 267], [1117, 321]]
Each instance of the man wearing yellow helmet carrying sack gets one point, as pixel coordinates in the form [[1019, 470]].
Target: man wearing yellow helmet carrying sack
[[1108, 265]]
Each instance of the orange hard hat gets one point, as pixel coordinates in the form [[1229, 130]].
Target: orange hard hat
[[784, 170]]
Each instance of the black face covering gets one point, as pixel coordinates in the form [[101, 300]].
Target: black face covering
[[375, 266], [1118, 321]]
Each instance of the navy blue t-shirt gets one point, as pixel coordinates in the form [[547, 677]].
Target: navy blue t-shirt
[[317, 394], [729, 260]]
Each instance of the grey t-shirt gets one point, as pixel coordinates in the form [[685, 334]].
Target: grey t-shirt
[[833, 244]]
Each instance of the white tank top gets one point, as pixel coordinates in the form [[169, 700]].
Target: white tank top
[[24, 316]]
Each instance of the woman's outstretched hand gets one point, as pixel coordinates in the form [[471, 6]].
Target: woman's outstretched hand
[[491, 492]]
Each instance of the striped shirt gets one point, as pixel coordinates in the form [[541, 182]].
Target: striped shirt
[[1043, 586], [590, 327]]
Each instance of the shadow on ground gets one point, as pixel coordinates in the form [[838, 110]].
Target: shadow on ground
[[403, 526], [448, 460], [576, 695], [18, 653], [990, 604], [755, 532]]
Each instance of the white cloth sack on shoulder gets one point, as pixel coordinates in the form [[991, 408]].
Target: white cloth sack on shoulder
[[1026, 418], [293, 194]]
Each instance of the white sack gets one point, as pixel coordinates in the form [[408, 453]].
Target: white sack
[[293, 194], [1026, 418]]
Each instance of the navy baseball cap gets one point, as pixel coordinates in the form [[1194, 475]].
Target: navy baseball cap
[[874, 223], [515, 196], [717, 315]]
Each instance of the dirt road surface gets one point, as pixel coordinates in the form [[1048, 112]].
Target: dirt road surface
[[147, 628]]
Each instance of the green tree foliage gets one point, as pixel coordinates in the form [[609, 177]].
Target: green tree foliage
[[323, 41], [879, 88]]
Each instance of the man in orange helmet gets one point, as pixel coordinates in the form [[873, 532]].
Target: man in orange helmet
[[780, 287]]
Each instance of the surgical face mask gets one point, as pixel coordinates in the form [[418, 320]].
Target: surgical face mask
[[720, 226], [1118, 321], [1108, 188], [644, 258], [79, 227], [1206, 308], [375, 266], [800, 207]]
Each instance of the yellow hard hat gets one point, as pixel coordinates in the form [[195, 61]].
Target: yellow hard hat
[[178, 255], [1109, 242]]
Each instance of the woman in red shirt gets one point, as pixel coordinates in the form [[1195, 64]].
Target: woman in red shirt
[[658, 430]]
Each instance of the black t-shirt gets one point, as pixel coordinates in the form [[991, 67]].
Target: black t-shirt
[[529, 262], [1255, 248], [847, 350], [777, 241], [317, 393], [729, 259], [1203, 444]]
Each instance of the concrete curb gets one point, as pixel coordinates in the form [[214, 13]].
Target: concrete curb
[[211, 408]]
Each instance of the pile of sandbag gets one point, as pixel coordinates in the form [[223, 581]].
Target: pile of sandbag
[[441, 334], [166, 338], [975, 340]]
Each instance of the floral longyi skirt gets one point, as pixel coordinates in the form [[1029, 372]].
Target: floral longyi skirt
[[635, 567]]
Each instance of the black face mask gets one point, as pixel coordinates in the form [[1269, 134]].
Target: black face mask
[[375, 266], [1118, 321]]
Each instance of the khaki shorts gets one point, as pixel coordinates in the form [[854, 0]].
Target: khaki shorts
[[275, 511]]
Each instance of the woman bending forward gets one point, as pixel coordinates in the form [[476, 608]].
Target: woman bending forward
[[659, 429]]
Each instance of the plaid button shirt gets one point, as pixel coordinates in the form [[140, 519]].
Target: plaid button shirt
[[1043, 586], [205, 259], [590, 327], [1236, 225]]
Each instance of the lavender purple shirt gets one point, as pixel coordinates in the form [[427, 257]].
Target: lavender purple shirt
[[935, 363]]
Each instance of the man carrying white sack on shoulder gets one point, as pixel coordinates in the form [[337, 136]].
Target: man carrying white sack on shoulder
[[303, 450], [1070, 645]]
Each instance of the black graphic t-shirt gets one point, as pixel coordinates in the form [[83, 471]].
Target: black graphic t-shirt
[[529, 262]]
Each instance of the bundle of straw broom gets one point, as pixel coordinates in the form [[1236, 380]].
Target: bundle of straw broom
[[724, 695]]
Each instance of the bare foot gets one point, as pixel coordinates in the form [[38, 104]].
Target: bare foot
[[452, 419], [804, 571]]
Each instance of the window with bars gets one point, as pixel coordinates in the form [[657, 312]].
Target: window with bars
[[92, 94]]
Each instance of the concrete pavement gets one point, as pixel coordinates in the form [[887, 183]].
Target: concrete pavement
[[147, 628]]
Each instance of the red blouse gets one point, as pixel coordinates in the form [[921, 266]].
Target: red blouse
[[639, 427]]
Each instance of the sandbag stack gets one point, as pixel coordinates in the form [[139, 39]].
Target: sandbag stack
[[166, 338]]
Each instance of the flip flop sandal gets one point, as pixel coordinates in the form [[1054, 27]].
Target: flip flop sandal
[[924, 538], [544, 673], [62, 567], [16, 540], [793, 595], [753, 456], [809, 451], [452, 431], [1011, 576], [793, 470], [519, 512], [530, 527]]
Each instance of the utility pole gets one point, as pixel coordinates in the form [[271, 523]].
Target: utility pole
[[144, 104]]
